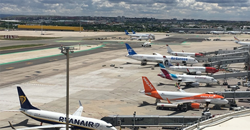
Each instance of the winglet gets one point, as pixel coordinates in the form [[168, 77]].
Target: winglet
[[80, 104]]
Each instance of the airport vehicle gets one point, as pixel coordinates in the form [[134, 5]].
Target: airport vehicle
[[156, 57], [181, 100], [139, 36], [147, 43], [171, 52], [59, 119], [240, 42], [188, 69], [192, 80]]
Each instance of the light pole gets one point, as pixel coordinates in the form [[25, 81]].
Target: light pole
[[65, 51], [134, 120]]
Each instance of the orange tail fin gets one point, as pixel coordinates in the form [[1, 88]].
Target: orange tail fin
[[148, 86]]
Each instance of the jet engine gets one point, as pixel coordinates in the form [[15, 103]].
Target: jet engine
[[195, 84], [195, 105]]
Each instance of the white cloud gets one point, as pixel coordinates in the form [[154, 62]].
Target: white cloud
[[165, 9]]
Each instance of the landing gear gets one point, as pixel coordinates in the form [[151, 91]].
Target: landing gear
[[144, 62], [183, 107]]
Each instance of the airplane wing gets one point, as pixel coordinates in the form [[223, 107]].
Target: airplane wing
[[78, 112], [40, 127], [157, 54]]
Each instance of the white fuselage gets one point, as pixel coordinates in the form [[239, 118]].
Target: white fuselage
[[192, 78], [182, 54], [188, 69], [243, 43], [191, 97], [74, 121], [159, 58]]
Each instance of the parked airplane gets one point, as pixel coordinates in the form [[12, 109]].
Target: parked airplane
[[171, 52], [138, 36], [234, 32], [181, 100], [217, 32], [59, 119], [240, 42], [192, 80], [144, 58], [152, 35], [189, 69]]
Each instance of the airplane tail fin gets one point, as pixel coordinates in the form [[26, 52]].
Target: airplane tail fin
[[133, 31], [165, 72], [130, 50], [169, 49], [126, 32], [166, 62], [24, 101], [148, 86], [236, 38]]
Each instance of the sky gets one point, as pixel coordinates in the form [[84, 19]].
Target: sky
[[238, 10]]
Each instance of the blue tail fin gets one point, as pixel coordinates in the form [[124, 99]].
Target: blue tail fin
[[130, 50], [24, 102], [126, 32], [133, 31]]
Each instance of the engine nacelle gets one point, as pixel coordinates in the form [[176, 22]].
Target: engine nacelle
[[198, 72], [195, 84], [195, 105]]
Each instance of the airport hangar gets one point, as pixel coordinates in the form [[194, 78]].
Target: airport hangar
[[103, 90]]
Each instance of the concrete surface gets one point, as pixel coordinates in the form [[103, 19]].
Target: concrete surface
[[102, 90]]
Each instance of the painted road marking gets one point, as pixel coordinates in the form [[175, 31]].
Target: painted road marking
[[9, 68], [51, 55], [29, 63]]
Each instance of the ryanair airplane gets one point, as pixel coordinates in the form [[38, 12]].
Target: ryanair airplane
[[58, 120]]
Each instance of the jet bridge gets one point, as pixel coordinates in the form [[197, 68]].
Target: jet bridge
[[230, 75], [234, 94], [229, 61], [152, 121], [220, 51]]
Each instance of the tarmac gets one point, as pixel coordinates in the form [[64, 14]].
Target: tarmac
[[103, 90]]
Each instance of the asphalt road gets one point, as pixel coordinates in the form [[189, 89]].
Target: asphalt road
[[109, 46]]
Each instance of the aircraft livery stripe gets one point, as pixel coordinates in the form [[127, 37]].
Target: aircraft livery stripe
[[55, 121]]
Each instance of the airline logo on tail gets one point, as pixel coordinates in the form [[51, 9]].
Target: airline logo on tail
[[126, 32], [236, 38], [150, 85], [22, 99]]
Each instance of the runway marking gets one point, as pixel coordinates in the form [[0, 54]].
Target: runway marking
[[29, 63], [55, 59], [9, 68], [51, 55]]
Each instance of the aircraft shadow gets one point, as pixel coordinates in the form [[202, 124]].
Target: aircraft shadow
[[145, 103], [23, 123]]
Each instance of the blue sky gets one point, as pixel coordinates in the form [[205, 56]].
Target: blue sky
[[166, 9]]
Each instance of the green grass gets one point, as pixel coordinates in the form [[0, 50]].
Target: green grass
[[20, 46], [28, 38]]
